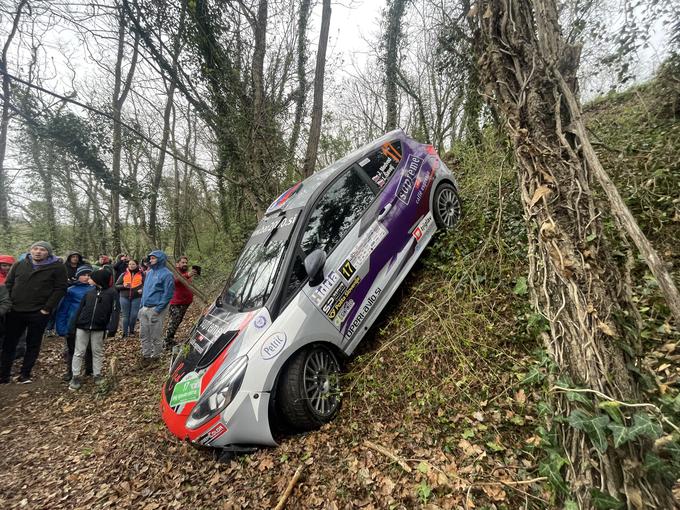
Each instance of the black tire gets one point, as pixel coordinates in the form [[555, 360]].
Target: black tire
[[446, 206], [308, 391]]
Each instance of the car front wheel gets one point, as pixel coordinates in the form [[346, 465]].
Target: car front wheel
[[309, 390], [447, 208]]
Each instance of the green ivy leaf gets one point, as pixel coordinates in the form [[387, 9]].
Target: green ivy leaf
[[551, 469], [571, 505], [613, 409], [595, 427], [603, 501], [643, 425], [620, 434], [521, 286], [576, 396]]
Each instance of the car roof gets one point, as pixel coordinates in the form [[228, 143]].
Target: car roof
[[300, 194]]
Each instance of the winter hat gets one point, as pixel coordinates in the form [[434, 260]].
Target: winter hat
[[101, 277], [84, 269], [43, 244], [6, 259]]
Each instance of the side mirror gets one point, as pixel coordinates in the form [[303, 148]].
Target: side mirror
[[314, 263]]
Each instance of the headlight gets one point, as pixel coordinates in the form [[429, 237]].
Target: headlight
[[219, 394]]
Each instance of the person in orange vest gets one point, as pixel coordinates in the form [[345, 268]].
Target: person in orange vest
[[129, 286]]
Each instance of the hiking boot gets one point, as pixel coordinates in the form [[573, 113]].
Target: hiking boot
[[75, 384], [22, 379], [98, 380], [67, 376]]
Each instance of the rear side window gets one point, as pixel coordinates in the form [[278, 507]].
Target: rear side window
[[338, 209], [381, 164]]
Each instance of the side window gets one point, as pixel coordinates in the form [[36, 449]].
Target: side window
[[338, 209], [381, 164]]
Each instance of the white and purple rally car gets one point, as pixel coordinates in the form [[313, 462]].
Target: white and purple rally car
[[314, 275]]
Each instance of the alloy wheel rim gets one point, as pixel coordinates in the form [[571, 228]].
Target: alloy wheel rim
[[448, 207], [321, 382]]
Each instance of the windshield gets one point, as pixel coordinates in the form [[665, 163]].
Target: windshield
[[257, 267]]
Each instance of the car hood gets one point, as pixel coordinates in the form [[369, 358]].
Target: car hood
[[217, 339]]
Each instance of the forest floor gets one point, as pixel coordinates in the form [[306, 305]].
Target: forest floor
[[440, 409]]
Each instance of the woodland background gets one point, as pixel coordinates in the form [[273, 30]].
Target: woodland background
[[133, 124]]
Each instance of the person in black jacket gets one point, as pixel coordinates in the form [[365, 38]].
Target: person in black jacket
[[92, 320], [36, 285]]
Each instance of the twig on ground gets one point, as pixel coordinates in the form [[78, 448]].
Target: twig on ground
[[381, 449], [284, 497]]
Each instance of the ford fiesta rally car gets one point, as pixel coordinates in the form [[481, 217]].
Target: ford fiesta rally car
[[314, 275]]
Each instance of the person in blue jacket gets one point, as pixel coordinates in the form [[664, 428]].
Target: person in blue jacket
[[66, 315], [159, 286]]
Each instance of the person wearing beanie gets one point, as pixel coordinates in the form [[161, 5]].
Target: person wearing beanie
[[91, 322], [159, 287], [73, 261], [6, 262], [36, 285], [66, 316]]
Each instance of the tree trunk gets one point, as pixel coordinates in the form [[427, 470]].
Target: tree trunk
[[392, 41], [121, 88], [4, 118], [574, 280], [158, 167], [317, 106], [301, 92]]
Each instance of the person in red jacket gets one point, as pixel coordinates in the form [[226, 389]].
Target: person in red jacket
[[181, 299], [6, 262]]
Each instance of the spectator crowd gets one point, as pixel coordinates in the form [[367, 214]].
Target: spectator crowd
[[85, 304]]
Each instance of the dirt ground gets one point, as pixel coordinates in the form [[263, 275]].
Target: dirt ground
[[404, 449]]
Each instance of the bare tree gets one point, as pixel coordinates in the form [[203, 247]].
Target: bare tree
[[4, 119], [317, 107], [393, 38]]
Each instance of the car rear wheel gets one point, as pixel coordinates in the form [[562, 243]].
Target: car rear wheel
[[309, 390], [447, 208]]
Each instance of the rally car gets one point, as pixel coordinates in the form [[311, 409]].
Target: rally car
[[314, 275]]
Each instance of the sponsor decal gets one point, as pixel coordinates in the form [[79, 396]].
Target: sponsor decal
[[423, 227], [283, 198], [273, 346], [212, 434], [337, 293], [365, 246], [423, 183], [384, 172], [342, 313], [347, 270], [188, 390], [337, 300], [364, 162], [271, 225], [260, 321], [324, 288], [361, 314], [408, 178], [391, 151]]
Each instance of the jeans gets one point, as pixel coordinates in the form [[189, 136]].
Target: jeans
[[129, 309], [151, 331], [70, 351], [33, 323], [85, 338]]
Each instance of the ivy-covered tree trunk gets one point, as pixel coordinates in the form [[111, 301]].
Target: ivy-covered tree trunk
[[574, 280], [392, 40]]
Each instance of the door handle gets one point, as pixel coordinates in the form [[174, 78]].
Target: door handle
[[384, 211]]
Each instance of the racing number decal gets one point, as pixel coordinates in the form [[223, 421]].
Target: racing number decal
[[347, 270]]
